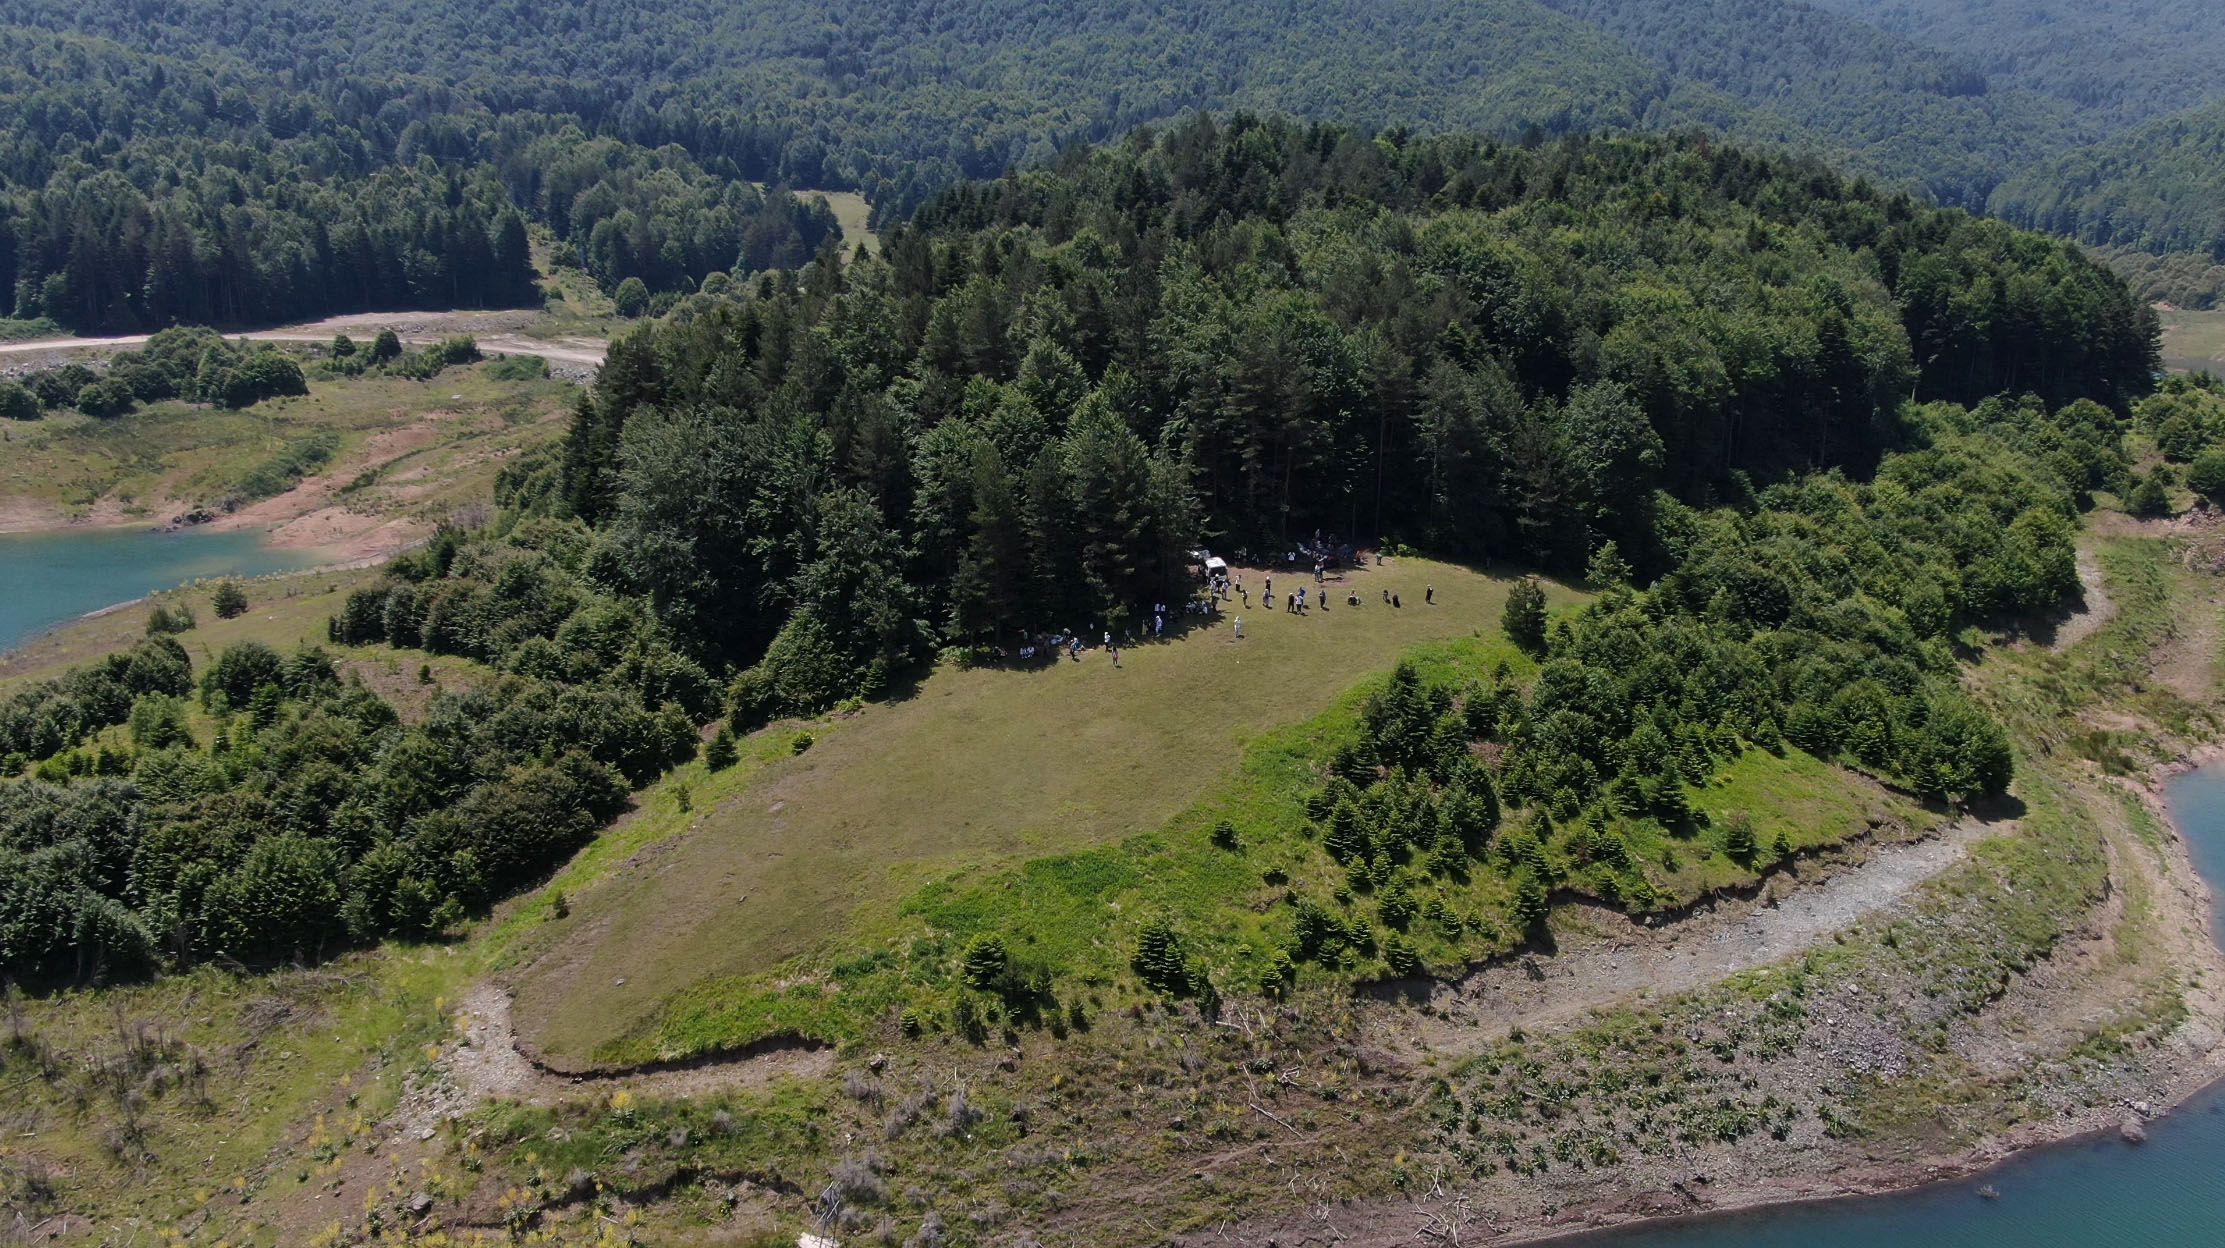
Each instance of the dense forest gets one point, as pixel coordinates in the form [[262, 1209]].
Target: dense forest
[[2118, 62], [1491, 349], [139, 191], [899, 100], [2158, 188]]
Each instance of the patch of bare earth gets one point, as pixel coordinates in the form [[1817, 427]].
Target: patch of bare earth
[[484, 1063], [2095, 607], [315, 515], [1607, 957]]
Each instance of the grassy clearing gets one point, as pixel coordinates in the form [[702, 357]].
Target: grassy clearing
[[442, 440], [2048, 699], [284, 612], [1077, 915], [2192, 338], [976, 768], [852, 213]]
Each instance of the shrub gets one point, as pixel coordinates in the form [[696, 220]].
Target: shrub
[[2206, 476], [1399, 955], [285, 469], [244, 667], [801, 673], [18, 403], [259, 375], [165, 620], [984, 961], [230, 601], [1738, 837], [518, 368], [722, 752], [107, 398]]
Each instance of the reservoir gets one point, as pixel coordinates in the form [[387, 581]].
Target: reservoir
[[2099, 1193], [51, 577]]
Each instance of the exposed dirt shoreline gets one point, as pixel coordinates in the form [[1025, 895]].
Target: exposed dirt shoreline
[[2199, 1043]]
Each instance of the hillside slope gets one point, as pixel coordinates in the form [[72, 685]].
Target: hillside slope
[[2159, 188]]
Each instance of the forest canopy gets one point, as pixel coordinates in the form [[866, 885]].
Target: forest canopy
[[898, 100], [1048, 387]]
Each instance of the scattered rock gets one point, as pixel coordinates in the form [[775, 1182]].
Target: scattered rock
[[2132, 1131], [420, 1204]]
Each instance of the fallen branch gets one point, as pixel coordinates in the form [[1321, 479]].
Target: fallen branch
[[1271, 1118]]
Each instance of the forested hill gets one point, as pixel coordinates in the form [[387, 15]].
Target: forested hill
[[1662, 361], [140, 190], [900, 97], [233, 161], [1054, 384]]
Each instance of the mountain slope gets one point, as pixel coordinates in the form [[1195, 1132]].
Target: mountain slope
[[2159, 188], [2119, 62], [1865, 98]]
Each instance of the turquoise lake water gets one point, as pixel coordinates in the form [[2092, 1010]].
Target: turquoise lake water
[[49, 578], [2166, 1193]]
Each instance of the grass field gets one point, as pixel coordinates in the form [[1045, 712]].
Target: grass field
[[978, 767], [423, 444], [176, 1102], [2194, 339], [284, 612], [852, 213]]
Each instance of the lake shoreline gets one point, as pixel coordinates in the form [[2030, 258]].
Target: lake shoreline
[[255, 559], [1864, 1183], [1857, 1180]]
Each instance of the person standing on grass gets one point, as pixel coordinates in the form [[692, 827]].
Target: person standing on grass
[[1239, 627], [1429, 595]]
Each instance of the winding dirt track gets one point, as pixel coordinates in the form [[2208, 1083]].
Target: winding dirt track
[[413, 328]]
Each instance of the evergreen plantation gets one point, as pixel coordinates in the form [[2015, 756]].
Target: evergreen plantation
[[1682, 371]]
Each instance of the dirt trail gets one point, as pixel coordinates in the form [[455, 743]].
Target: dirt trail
[[1628, 959], [496, 332], [2097, 610], [483, 1063]]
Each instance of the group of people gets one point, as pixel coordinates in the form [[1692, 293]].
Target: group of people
[[1223, 586]]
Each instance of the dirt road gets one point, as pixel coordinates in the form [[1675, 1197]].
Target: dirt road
[[497, 332], [1626, 960]]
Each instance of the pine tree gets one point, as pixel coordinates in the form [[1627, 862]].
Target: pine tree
[[985, 961], [229, 600], [1160, 960], [1524, 617], [722, 752]]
